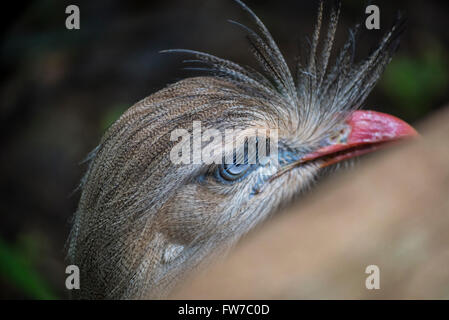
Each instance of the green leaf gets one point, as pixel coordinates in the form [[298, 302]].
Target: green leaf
[[16, 269]]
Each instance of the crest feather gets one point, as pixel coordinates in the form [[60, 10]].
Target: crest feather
[[320, 94]]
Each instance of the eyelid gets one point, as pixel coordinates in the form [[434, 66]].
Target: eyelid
[[223, 175]]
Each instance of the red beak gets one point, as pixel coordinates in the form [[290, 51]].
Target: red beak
[[368, 131]]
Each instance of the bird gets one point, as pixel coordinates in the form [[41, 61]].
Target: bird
[[144, 223]]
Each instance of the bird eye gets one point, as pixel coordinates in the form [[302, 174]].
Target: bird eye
[[233, 172]]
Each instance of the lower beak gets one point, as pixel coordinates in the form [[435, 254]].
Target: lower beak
[[368, 130]]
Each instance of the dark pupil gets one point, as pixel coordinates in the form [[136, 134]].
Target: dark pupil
[[233, 171], [237, 169]]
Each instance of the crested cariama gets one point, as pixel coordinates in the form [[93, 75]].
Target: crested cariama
[[143, 223]]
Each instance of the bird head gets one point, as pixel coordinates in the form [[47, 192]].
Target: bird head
[[144, 220]]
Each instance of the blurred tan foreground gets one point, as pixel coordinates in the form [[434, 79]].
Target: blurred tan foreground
[[391, 211]]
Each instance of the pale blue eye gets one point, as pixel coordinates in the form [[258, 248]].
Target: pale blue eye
[[229, 173], [233, 172]]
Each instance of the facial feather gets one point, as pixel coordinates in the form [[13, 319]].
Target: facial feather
[[143, 222]]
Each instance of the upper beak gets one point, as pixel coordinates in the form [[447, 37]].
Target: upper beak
[[368, 130]]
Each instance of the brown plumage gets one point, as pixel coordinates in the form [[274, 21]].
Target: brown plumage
[[143, 222]]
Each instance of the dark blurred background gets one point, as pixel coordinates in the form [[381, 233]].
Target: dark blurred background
[[62, 88]]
